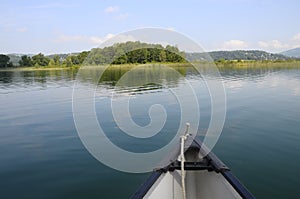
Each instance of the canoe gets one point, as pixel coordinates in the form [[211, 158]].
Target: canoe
[[205, 177]]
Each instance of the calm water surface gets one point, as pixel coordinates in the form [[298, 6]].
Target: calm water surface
[[43, 157]]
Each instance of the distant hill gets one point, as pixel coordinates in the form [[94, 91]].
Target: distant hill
[[237, 55], [62, 56], [292, 53], [15, 58]]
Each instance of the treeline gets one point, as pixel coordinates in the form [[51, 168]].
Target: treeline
[[41, 60], [120, 53], [135, 52]]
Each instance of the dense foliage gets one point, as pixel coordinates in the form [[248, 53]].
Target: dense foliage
[[135, 52], [5, 61], [53, 60], [120, 53]]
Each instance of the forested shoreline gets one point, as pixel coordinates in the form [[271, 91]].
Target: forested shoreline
[[120, 53], [142, 53]]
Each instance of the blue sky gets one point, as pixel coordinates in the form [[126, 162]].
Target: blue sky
[[63, 26]]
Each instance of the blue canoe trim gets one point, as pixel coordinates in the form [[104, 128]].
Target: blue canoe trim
[[144, 188], [237, 185]]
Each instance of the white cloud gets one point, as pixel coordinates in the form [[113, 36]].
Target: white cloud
[[279, 46], [86, 39], [296, 38], [273, 44], [234, 45], [263, 44], [295, 41], [99, 40], [111, 9], [117, 15], [121, 38]]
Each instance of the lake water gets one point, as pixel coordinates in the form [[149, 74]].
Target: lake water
[[43, 157]]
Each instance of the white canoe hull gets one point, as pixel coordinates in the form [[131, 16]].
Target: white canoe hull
[[199, 184], [206, 178]]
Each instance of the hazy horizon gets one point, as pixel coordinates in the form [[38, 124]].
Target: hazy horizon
[[12, 53]]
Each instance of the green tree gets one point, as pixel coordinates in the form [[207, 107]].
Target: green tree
[[173, 54], [56, 60], [26, 61], [4, 61], [75, 60], [40, 60], [82, 56], [68, 62], [162, 56], [119, 57], [51, 62]]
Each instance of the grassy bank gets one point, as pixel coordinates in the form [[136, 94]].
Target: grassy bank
[[258, 64], [128, 66], [227, 64], [40, 68]]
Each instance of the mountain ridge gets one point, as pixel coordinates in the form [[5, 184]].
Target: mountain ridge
[[257, 55], [295, 52]]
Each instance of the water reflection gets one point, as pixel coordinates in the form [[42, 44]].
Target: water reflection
[[40, 146], [24, 81], [112, 74], [6, 77]]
